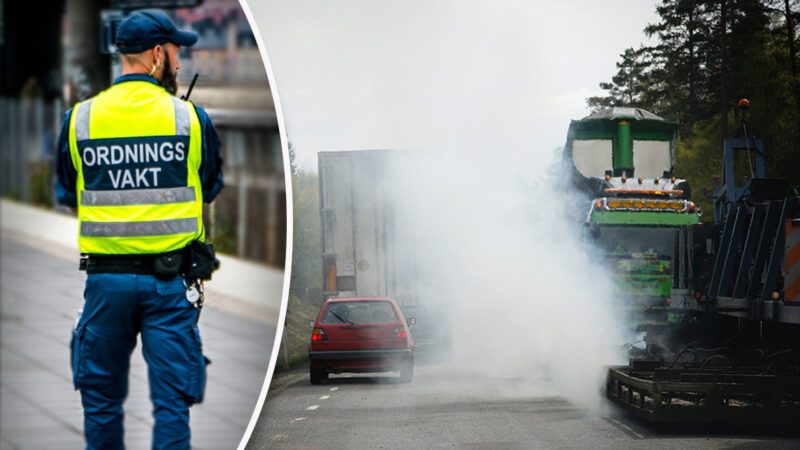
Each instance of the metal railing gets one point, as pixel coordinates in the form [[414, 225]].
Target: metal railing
[[249, 217], [28, 133]]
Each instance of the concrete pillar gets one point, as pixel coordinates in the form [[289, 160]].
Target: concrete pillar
[[86, 69]]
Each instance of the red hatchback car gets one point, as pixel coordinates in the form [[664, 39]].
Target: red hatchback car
[[366, 334]]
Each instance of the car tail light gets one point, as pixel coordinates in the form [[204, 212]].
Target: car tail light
[[318, 335], [400, 332]]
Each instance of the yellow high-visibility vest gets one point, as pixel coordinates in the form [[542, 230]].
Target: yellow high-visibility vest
[[137, 151]]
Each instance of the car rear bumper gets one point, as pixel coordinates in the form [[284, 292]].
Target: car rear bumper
[[360, 360], [338, 355]]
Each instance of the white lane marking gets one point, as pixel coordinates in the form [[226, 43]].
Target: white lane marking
[[627, 428], [298, 419], [325, 397], [280, 437], [312, 407], [334, 389]]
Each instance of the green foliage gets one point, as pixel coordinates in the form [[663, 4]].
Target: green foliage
[[700, 162], [305, 288], [706, 55], [297, 335], [292, 159], [306, 280], [680, 81], [41, 185], [629, 86], [224, 234]]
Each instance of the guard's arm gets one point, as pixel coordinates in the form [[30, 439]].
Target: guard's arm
[[211, 166], [66, 175]]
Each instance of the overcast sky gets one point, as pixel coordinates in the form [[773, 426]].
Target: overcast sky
[[495, 76]]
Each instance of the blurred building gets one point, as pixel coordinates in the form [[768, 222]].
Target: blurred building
[[52, 54]]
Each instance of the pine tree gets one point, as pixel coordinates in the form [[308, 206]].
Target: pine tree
[[706, 55], [628, 86]]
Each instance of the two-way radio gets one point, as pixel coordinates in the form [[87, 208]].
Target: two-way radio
[[191, 86]]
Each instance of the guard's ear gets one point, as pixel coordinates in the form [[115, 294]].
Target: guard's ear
[[158, 55]]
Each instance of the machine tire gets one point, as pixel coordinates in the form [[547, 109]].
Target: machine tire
[[317, 376]]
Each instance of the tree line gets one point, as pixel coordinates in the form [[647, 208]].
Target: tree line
[[705, 55]]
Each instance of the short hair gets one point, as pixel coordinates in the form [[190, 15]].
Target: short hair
[[133, 58]]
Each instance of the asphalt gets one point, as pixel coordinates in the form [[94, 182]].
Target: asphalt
[[40, 293], [284, 380], [445, 408]]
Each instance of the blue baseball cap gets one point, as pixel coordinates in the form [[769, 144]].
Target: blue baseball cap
[[143, 30]]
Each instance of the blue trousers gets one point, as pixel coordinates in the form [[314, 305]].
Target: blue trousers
[[116, 309]]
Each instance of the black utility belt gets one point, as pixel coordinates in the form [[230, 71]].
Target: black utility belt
[[140, 264], [195, 261]]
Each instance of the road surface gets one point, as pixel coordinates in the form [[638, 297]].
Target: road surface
[[442, 409], [41, 291]]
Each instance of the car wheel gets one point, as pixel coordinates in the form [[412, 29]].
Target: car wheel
[[407, 372], [317, 376]]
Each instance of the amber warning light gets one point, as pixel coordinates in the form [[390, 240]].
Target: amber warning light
[[639, 204]]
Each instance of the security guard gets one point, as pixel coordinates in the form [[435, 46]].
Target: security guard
[[138, 163]]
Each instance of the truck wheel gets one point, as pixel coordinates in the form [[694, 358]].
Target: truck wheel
[[317, 376], [407, 372]]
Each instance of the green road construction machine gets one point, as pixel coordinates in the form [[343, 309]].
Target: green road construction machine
[[623, 159], [717, 305]]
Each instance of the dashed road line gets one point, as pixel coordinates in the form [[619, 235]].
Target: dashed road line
[[626, 428], [325, 397], [334, 389], [312, 407], [280, 437], [298, 419]]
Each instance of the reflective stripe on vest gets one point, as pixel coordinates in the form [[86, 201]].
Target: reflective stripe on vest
[[137, 197], [181, 117], [82, 122], [137, 151], [151, 228]]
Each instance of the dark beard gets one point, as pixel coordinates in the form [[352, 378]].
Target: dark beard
[[168, 81]]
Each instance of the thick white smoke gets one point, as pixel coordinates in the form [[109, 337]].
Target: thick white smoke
[[504, 251], [484, 90]]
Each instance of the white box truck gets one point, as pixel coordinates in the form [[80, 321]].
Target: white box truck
[[366, 250], [370, 244]]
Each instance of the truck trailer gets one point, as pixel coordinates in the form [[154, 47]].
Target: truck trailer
[[368, 239]]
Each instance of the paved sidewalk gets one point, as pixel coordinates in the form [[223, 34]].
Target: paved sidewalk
[[40, 293], [241, 287]]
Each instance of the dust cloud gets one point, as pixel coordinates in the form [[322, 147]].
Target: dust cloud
[[502, 248], [478, 95]]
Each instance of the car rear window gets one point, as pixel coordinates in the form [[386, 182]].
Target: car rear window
[[379, 311]]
